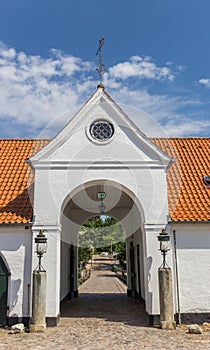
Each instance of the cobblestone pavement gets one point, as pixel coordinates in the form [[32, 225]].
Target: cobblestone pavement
[[104, 318]]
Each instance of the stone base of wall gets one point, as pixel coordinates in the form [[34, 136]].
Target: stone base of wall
[[154, 320], [195, 317], [186, 318], [15, 319], [50, 321]]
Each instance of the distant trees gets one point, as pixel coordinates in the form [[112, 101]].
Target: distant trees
[[100, 234]]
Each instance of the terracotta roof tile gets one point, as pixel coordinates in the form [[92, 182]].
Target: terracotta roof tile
[[16, 179], [189, 199]]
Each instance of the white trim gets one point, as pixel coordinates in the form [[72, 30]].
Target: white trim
[[154, 227], [187, 225], [46, 227], [68, 164], [15, 229]]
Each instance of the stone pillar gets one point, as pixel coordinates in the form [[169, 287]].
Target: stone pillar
[[166, 299], [38, 323], [51, 263]]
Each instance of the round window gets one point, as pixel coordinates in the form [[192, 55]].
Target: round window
[[101, 130]]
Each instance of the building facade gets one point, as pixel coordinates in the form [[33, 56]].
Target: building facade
[[150, 184]]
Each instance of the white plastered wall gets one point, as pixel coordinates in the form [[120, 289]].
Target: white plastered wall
[[15, 247], [73, 159], [149, 189], [193, 260]]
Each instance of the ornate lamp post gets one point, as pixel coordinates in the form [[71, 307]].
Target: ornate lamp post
[[38, 323], [41, 248], [164, 239], [165, 285]]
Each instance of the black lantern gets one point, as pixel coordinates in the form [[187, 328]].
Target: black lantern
[[164, 239], [41, 247]]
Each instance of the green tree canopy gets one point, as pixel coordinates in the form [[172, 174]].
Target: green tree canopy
[[101, 234]]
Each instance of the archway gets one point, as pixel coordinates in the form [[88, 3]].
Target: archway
[[4, 273], [96, 198]]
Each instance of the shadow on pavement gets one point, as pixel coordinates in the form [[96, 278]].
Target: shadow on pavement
[[105, 299], [110, 307]]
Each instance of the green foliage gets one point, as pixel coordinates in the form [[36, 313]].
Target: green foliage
[[114, 268], [97, 235], [94, 223], [84, 255]]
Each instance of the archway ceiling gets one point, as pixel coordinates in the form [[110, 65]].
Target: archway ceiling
[[88, 198], [117, 203]]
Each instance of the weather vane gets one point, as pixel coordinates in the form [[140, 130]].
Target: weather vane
[[101, 67]]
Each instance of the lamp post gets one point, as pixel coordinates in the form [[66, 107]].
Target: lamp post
[[164, 239], [41, 248], [38, 322], [165, 285]]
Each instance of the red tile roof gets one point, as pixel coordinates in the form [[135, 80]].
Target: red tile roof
[[16, 179], [189, 199]]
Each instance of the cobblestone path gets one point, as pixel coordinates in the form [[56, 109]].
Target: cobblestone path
[[104, 318]]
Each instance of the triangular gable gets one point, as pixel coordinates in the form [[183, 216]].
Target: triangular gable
[[101, 99]]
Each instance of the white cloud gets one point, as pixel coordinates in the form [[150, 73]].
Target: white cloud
[[141, 67], [36, 90], [158, 106], [177, 127], [7, 53], [158, 115], [205, 82]]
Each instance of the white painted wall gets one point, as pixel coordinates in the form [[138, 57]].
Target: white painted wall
[[193, 255], [15, 246], [73, 159], [54, 185]]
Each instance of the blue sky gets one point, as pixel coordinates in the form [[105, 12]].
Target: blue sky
[[157, 57]]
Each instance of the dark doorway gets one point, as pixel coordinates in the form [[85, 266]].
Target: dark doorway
[[138, 271], [133, 273], [4, 273], [71, 294]]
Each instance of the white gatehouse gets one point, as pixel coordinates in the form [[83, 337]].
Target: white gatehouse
[[102, 150]]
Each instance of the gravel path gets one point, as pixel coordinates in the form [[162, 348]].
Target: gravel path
[[103, 317]]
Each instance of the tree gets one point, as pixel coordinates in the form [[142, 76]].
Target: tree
[[101, 234]]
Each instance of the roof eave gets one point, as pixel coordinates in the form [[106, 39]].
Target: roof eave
[[173, 222]]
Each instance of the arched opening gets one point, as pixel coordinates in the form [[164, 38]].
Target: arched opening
[[4, 273], [102, 199], [102, 237]]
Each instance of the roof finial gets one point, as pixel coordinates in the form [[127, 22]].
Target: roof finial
[[101, 67]]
